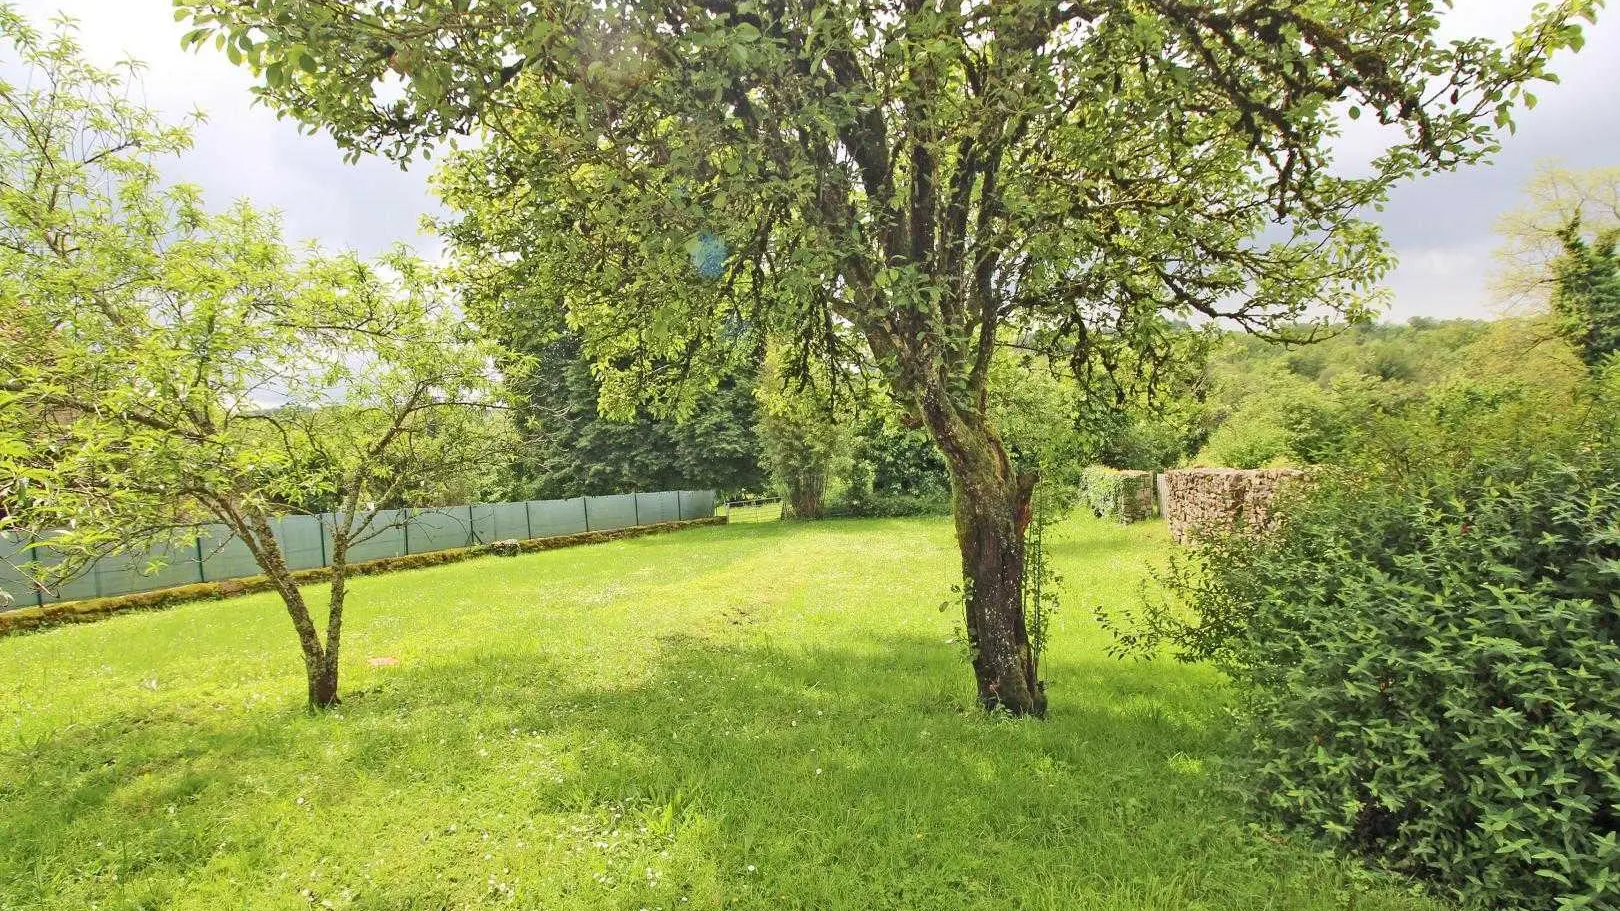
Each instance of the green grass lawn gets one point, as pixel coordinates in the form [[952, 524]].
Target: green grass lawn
[[759, 716]]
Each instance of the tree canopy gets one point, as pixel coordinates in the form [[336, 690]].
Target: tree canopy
[[1559, 201]]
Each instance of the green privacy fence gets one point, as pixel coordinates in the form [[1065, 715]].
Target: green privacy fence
[[306, 541]]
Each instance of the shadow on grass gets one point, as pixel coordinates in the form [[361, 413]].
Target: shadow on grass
[[718, 776]]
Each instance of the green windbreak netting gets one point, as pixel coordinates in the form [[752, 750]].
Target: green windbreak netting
[[306, 542], [302, 540], [549, 518], [385, 537], [652, 508], [225, 556], [499, 522], [438, 529], [696, 504], [13, 581], [607, 513], [83, 585], [162, 566]]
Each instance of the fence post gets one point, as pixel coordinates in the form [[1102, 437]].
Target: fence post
[[39, 590], [472, 533], [680, 511], [320, 534], [635, 504], [197, 537], [406, 525], [585, 504], [528, 521]]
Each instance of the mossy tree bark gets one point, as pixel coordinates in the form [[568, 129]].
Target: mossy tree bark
[[990, 501], [320, 658]]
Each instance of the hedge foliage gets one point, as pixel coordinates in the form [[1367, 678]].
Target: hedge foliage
[[1107, 492], [1100, 489], [95, 609], [1427, 651], [889, 505]]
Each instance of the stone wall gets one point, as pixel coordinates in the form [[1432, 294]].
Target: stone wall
[[1197, 500], [1135, 496]]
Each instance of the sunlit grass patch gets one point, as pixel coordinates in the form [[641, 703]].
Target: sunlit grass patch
[[766, 716]]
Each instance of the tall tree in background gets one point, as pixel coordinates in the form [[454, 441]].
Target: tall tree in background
[[1558, 250], [571, 449], [801, 432], [162, 366], [1559, 203], [1586, 294], [941, 177]]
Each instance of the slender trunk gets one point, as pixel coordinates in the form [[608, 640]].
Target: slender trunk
[[991, 505], [320, 662], [328, 684]]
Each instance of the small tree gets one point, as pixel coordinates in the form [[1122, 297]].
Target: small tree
[[941, 178], [168, 366]]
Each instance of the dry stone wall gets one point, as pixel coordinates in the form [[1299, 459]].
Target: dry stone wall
[[1202, 500], [1135, 496]]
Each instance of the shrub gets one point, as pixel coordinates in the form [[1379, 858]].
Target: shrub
[[1428, 656], [890, 506], [1113, 494]]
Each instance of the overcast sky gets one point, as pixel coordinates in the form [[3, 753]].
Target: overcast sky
[[1441, 227]]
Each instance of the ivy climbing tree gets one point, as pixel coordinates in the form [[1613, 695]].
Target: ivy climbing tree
[[1586, 294], [936, 179]]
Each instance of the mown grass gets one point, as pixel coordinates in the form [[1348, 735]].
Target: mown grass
[[760, 716]]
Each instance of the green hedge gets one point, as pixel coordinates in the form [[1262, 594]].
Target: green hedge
[[86, 611], [1111, 494], [1431, 668], [889, 506]]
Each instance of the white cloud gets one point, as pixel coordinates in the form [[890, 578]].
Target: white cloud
[[243, 150]]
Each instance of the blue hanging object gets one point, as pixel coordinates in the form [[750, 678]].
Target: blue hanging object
[[709, 255]]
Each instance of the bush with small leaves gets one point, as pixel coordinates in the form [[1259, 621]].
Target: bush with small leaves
[[1429, 659]]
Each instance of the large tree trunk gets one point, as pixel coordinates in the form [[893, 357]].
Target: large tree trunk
[[991, 506], [804, 496]]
